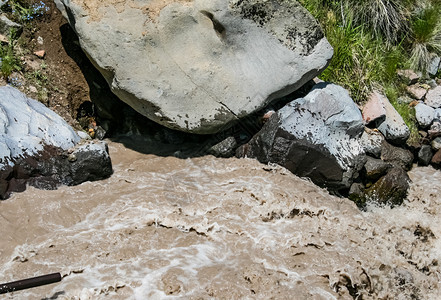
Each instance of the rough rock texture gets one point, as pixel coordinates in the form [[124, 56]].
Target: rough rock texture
[[225, 148], [433, 97], [316, 136], [396, 156], [391, 188], [200, 65], [52, 167], [424, 114], [26, 125], [393, 128], [38, 148], [434, 64], [435, 129], [371, 141], [416, 91], [436, 159], [373, 110], [375, 168], [425, 155]]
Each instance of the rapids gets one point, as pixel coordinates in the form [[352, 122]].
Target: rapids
[[207, 228]]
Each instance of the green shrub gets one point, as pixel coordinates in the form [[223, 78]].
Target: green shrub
[[385, 18], [8, 59], [425, 35]]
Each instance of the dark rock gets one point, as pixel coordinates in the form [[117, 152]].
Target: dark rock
[[391, 188], [425, 155], [226, 148], [52, 167], [374, 168], [316, 136], [92, 163], [396, 156], [100, 133], [436, 159]]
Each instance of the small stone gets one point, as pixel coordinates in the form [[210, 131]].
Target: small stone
[[83, 135], [100, 133], [40, 40], [409, 76], [425, 155], [432, 83], [423, 133], [433, 97], [438, 113], [225, 148], [91, 132], [436, 144], [72, 158], [40, 53], [267, 115], [375, 168], [434, 63], [424, 114], [404, 100], [416, 92], [435, 130], [32, 89]]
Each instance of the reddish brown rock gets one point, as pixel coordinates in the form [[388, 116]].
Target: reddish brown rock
[[436, 159], [373, 110], [40, 53]]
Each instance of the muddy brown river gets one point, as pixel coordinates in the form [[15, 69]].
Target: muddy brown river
[[209, 228]]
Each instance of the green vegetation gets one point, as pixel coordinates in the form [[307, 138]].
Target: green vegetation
[[8, 59], [24, 11], [374, 38]]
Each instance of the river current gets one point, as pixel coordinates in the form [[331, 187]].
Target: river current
[[208, 228]]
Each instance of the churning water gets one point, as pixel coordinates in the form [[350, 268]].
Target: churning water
[[210, 228]]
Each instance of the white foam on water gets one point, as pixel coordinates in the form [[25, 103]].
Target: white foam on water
[[163, 227]]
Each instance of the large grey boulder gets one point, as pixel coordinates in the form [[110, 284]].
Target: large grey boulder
[[199, 65], [317, 136], [38, 148], [26, 125]]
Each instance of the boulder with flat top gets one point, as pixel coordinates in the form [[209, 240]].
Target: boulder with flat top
[[200, 65]]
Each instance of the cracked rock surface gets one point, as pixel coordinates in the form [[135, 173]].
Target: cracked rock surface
[[199, 66]]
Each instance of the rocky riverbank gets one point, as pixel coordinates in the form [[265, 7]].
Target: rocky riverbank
[[314, 129]]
